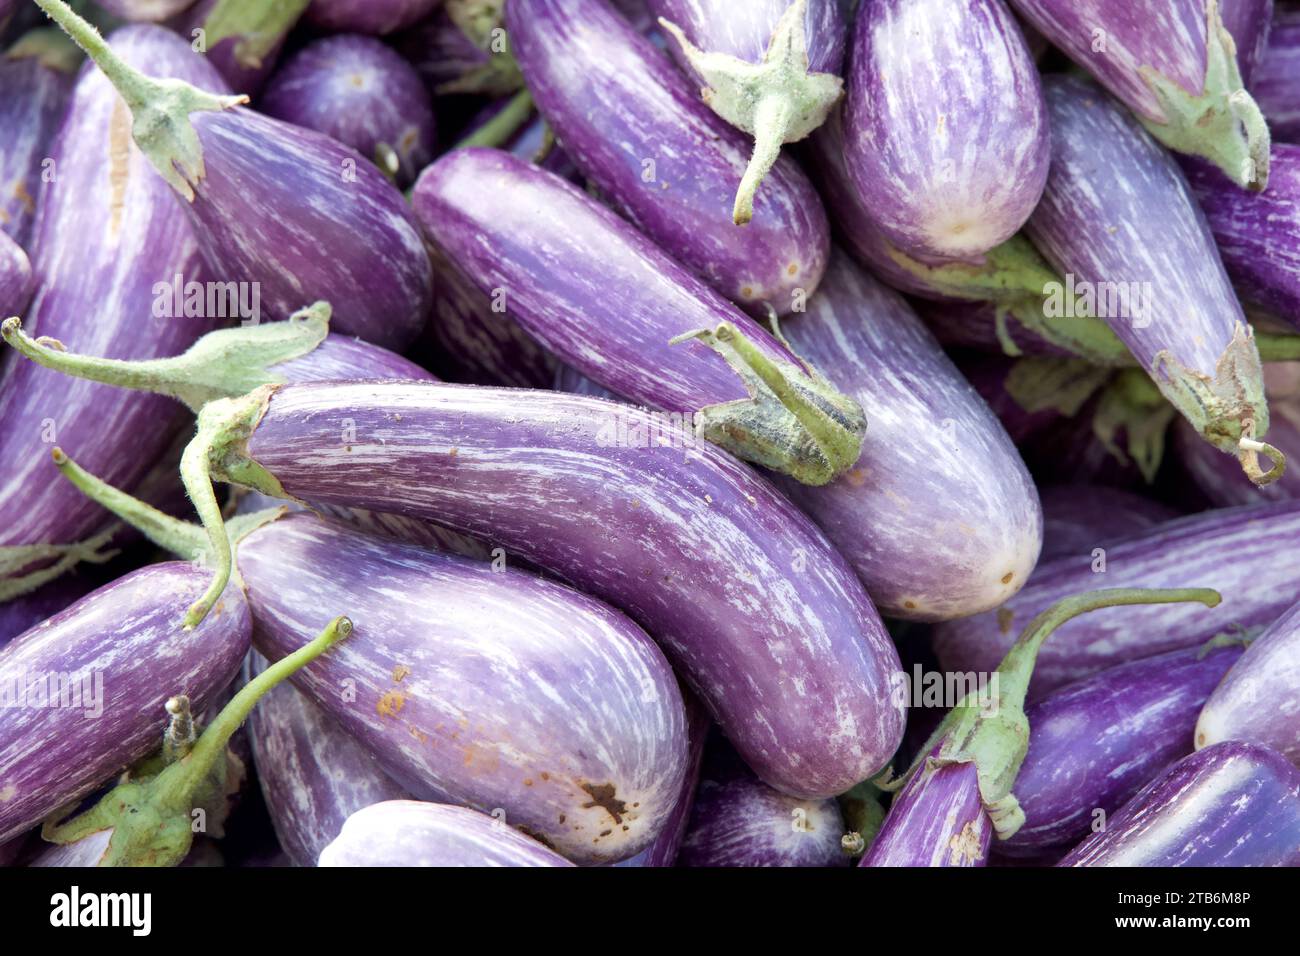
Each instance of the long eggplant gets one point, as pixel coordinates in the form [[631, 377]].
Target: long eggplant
[[367, 16], [242, 39], [25, 612], [635, 126], [1078, 518], [410, 833], [15, 277], [1174, 66], [1276, 84], [1232, 804]]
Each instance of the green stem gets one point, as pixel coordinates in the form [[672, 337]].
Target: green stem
[[1276, 347], [256, 24], [772, 118], [498, 130], [65, 558]]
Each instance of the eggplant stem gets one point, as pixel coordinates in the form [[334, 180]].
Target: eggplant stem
[[1249, 450], [65, 557], [497, 131], [772, 119]]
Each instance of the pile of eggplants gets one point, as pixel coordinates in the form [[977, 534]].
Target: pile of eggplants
[[645, 434]]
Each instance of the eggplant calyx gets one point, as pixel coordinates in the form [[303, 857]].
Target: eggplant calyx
[[1250, 450], [222, 364], [160, 108], [65, 557], [255, 25], [1009, 272], [794, 420], [777, 101], [153, 820], [1223, 123], [1132, 402], [481, 23]]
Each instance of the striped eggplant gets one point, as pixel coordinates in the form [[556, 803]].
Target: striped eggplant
[[15, 277], [1232, 804], [738, 820], [150, 11], [1079, 517], [1220, 480], [666, 340], [286, 210], [363, 94], [1259, 699], [1276, 84], [1255, 585], [368, 16], [1174, 65], [86, 688], [635, 126], [410, 833], [242, 39], [764, 619], [462, 48], [938, 517], [946, 139], [1248, 22], [25, 612], [937, 819], [769, 67], [1119, 221]]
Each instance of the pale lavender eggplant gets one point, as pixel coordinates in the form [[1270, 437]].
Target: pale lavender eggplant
[[1256, 589], [939, 517], [946, 138], [1080, 517], [1276, 84], [795, 665], [367, 16], [409, 833], [363, 94], [243, 40], [1220, 479], [937, 819], [1232, 804], [635, 126], [1259, 699], [15, 277], [118, 654], [150, 11], [1248, 21]]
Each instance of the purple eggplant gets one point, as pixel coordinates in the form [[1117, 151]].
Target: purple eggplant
[[87, 686], [946, 139], [410, 833], [1119, 221], [1232, 804], [1248, 23], [768, 67], [765, 620], [367, 16], [149, 11], [635, 126], [1078, 518], [1173, 65], [937, 819], [243, 40], [494, 215], [25, 612], [462, 48], [15, 277], [1276, 84], [1255, 585], [359, 91], [938, 516], [1259, 699]]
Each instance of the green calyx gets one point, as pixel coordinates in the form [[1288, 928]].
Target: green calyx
[[794, 420], [1132, 403], [482, 22], [989, 726], [50, 46], [256, 26], [160, 109], [62, 558], [222, 364], [497, 131], [1008, 273], [152, 818], [777, 101]]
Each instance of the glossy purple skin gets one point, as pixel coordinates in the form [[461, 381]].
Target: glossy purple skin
[[129, 632], [106, 232], [937, 819], [744, 29], [22, 613], [1233, 804], [939, 517], [1096, 742], [342, 357], [362, 93], [242, 69], [367, 16], [1220, 478], [1078, 518], [35, 100], [1248, 21], [1276, 85], [152, 11], [274, 207], [795, 666], [493, 689], [15, 277], [1259, 240], [1259, 699], [409, 833], [1185, 552], [312, 773], [617, 103], [946, 138], [738, 820]]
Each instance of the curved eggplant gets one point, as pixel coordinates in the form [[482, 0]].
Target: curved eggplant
[[25, 612], [1078, 518], [937, 819], [242, 39], [15, 277], [1276, 84], [367, 16]]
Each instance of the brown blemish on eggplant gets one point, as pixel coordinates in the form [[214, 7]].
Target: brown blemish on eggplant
[[391, 704], [602, 795], [119, 162], [793, 269], [24, 197], [1006, 578], [418, 734], [1005, 617], [400, 672]]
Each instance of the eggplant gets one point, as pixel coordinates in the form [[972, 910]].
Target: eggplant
[[1119, 217], [768, 67], [116, 655], [635, 126], [462, 48], [1078, 518], [1248, 23], [1259, 699], [367, 16], [1255, 585], [149, 11], [1174, 65], [1276, 85], [1231, 804], [287, 209], [243, 40], [761, 615], [410, 833], [363, 94], [946, 138], [938, 516], [25, 612], [936, 820], [15, 277]]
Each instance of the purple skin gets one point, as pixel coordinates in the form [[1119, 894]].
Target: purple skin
[[1218, 477], [1256, 589], [15, 277], [127, 639], [718, 26], [939, 517], [359, 91], [636, 127], [1078, 518], [1276, 83], [375, 17], [1232, 804], [532, 471], [937, 819], [738, 820], [1248, 21], [244, 50], [951, 191], [25, 612], [410, 833], [313, 774], [1259, 699], [151, 11], [443, 54]]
